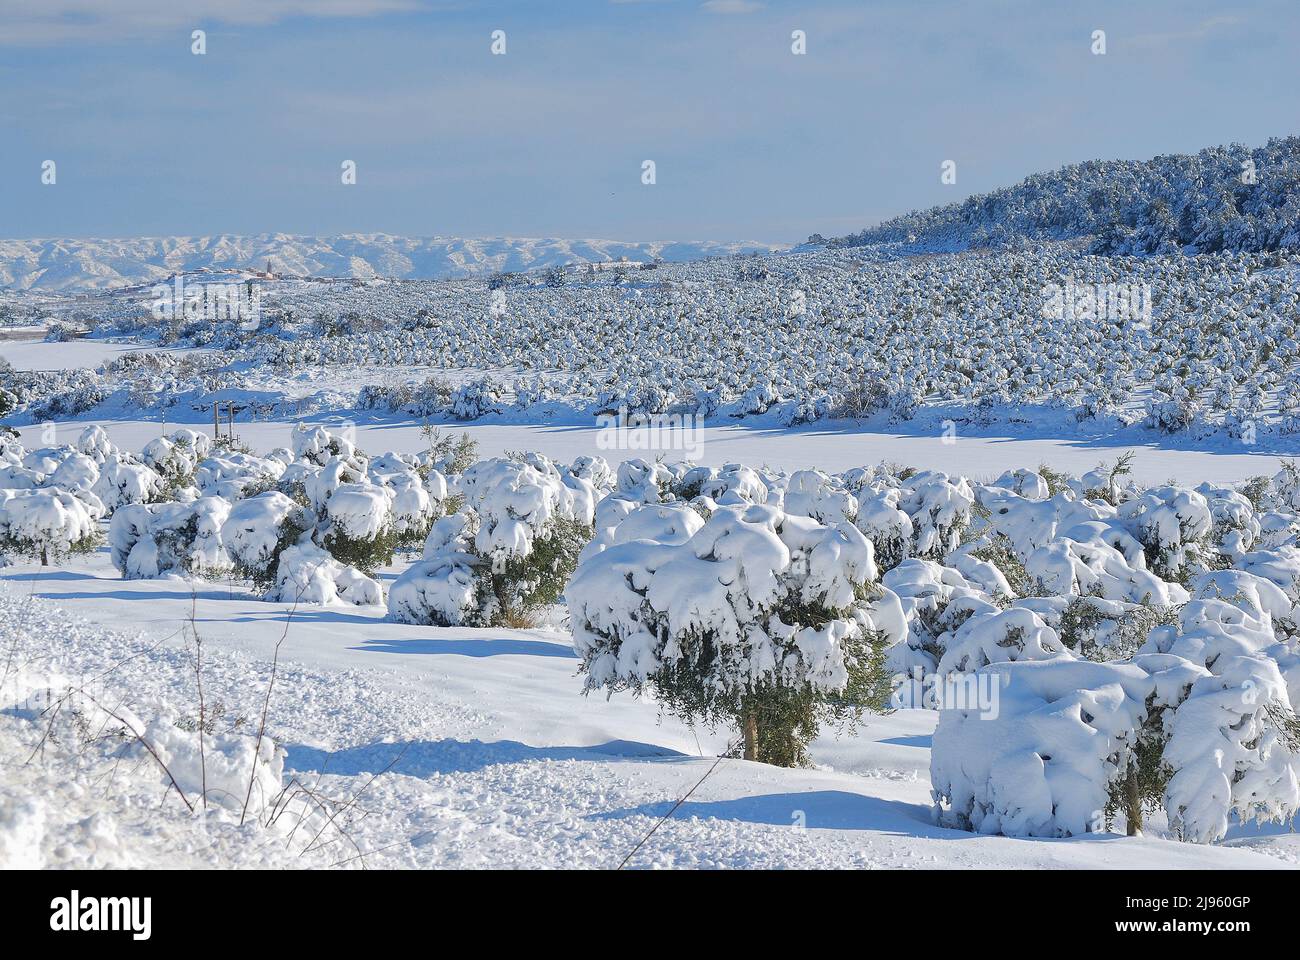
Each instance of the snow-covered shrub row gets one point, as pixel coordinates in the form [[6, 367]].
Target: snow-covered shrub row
[[310, 524], [146, 379], [1145, 643], [313, 523]]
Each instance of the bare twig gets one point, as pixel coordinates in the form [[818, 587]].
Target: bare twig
[[388, 846], [375, 776], [126, 724], [49, 728], [266, 707], [198, 682]]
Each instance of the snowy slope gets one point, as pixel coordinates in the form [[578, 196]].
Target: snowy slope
[[97, 264], [1169, 203], [474, 748]]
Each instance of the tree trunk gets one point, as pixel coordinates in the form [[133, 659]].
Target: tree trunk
[[751, 734], [1134, 812]]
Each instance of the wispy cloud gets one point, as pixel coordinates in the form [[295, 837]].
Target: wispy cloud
[[732, 6], [1206, 28], [44, 22]]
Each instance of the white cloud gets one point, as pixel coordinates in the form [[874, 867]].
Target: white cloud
[[41, 22], [732, 6]]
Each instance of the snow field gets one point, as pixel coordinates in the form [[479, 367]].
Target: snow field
[[965, 587]]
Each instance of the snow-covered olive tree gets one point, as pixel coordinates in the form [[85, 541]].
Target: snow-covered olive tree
[[760, 620]]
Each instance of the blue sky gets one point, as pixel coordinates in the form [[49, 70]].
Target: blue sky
[[750, 141]]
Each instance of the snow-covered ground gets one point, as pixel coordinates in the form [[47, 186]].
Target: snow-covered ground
[[424, 746], [32, 353], [841, 446], [461, 747]]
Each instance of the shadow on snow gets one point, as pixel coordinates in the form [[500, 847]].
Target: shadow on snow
[[817, 809], [426, 758], [470, 647]]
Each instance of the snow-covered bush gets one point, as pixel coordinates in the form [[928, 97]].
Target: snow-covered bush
[[1040, 757], [938, 509], [760, 620], [619, 521], [506, 554], [77, 472], [45, 524], [316, 445], [1199, 723], [476, 398], [447, 587], [359, 528], [258, 530], [236, 476], [305, 573], [123, 482], [95, 444], [175, 459], [1099, 629], [1173, 411], [1233, 749], [182, 539], [997, 636], [416, 503], [1172, 525], [888, 528]]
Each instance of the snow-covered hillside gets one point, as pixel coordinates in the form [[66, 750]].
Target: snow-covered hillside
[[1222, 198], [1194, 351], [74, 265]]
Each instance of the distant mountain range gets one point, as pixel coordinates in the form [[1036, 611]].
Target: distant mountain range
[[71, 266], [1231, 198]]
